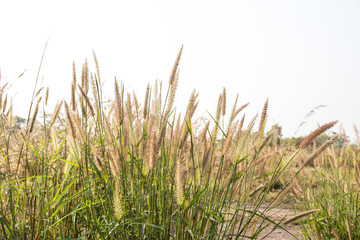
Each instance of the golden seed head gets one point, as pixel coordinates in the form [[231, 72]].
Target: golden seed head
[[146, 102], [174, 69], [118, 103], [172, 94], [88, 103], [47, 96], [56, 112], [316, 133], [70, 121], [34, 116], [117, 202], [224, 102], [320, 149], [263, 116], [229, 137], [301, 215], [179, 182]]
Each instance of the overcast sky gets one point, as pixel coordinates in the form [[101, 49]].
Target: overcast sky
[[299, 54]]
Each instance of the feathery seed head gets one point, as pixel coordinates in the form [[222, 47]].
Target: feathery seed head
[[240, 109], [34, 116], [117, 202], [179, 182], [39, 91], [129, 107], [88, 103], [146, 102], [95, 92], [218, 110], [172, 94], [70, 121], [202, 137], [136, 103], [4, 103], [316, 133], [229, 137], [224, 102], [73, 87], [174, 69], [152, 149], [46, 95], [85, 77], [263, 116], [56, 112], [320, 149], [118, 103], [300, 216]]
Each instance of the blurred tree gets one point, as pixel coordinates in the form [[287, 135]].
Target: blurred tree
[[276, 132], [19, 122]]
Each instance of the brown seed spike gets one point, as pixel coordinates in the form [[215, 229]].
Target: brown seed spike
[[320, 150], [172, 94], [202, 136], [300, 216], [73, 88], [92, 112], [174, 69], [85, 77], [118, 103], [47, 96], [70, 121], [129, 107], [152, 145], [34, 117], [218, 110], [316, 133], [357, 134], [56, 112], [179, 181], [229, 138], [224, 102], [146, 101], [4, 103], [240, 109], [263, 116]]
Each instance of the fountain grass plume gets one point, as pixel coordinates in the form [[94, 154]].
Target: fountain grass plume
[[316, 133]]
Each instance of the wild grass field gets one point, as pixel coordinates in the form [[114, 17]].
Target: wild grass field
[[131, 169]]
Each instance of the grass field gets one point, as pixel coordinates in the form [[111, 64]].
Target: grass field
[[130, 169]]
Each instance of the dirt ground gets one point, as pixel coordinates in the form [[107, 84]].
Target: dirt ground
[[277, 214], [281, 213]]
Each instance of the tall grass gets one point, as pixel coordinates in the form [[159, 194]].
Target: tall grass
[[335, 192], [130, 170]]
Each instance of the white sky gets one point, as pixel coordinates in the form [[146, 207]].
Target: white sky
[[300, 54]]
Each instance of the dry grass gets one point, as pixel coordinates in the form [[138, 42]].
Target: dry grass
[[123, 169]]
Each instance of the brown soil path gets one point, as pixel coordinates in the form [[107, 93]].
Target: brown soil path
[[277, 214], [281, 213]]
